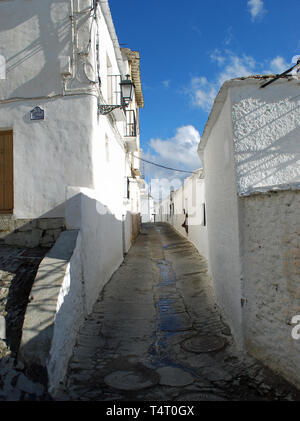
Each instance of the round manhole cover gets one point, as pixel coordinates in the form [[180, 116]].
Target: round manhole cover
[[202, 344], [132, 380], [175, 377]]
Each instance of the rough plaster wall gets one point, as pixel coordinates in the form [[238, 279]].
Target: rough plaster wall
[[271, 271], [70, 315], [222, 220], [266, 131], [55, 152]]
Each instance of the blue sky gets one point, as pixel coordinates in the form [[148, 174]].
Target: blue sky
[[188, 49]]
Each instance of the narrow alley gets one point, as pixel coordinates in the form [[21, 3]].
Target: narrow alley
[[156, 334]]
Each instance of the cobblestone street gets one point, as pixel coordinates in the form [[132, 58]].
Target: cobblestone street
[[156, 334]]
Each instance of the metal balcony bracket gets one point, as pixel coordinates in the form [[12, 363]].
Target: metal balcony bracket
[[106, 109]]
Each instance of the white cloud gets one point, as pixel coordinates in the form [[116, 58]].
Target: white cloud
[[180, 149], [236, 67], [256, 8], [202, 92], [166, 83], [217, 56], [179, 152], [278, 65], [229, 36]]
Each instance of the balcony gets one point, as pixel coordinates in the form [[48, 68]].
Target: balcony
[[131, 131]]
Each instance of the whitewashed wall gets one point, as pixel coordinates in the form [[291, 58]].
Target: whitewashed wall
[[191, 198], [49, 154], [147, 208], [98, 254], [34, 34], [73, 145], [266, 129], [70, 314], [251, 157], [223, 219], [271, 267]]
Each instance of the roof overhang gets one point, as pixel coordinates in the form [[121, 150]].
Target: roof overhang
[[134, 60]]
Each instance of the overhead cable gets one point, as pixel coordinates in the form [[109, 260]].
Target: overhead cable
[[163, 166]]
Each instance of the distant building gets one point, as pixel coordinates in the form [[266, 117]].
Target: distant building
[[148, 208]]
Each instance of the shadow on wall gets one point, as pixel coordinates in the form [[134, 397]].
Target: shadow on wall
[[67, 283], [265, 137], [23, 245], [18, 268], [47, 35], [52, 36]]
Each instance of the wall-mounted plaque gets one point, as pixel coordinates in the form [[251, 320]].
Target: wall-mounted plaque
[[37, 114]]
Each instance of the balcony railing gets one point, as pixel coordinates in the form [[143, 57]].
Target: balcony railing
[[130, 130]]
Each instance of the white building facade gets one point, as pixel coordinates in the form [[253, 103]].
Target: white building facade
[[64, 57], [185, 210], [63, 160]]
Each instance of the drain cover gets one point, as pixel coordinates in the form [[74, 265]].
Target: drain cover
[[173, 376], [132, 380], [202, 344]]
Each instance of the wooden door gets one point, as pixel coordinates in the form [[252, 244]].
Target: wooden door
[[6, 173]]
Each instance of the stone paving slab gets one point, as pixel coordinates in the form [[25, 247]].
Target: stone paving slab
[[159, 298]]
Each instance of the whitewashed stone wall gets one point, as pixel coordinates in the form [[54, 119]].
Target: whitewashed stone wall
[[271, 267], [70, 313], [251, 154]]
